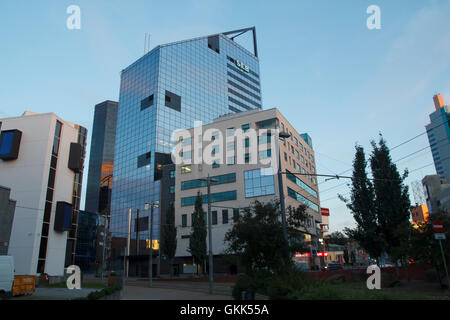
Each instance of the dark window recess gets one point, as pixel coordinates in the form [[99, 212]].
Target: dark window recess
[[45, 227], [141, 224], [234, 109], [144, 159], [173, 101], [147, 102], [243, 82], [161, 159], [213, 43], [10, 144], [234, 84], [237, 94], [75, 157], [49, 196], [47, 211], [51, 178], [63, 216], [231, 99], [185, 237], [43, 248]]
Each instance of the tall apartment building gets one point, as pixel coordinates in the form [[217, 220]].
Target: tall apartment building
[[439, 137], [42, 163], [101, 159], [169, 88], [239, 184]]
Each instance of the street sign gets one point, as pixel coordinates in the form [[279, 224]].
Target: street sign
[[439, 236], [438, 226], [325, 211]]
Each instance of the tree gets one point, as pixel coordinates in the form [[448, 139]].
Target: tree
[[197, 240], [424, 249], [362, 206], [346, 257], [337, 238], [392, 204], [169, 236], [258, 239]]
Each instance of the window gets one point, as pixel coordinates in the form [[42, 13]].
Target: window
[[144, 159], [299, 169], [197, 183], [213, 217], [230, 146], [186, 155], [285, 156], [172, 174], [215, 197], [172, 189], [225, 216], [230, 132], [231, 160], [215, 149], [214, 135], [297, 154], [247, 142], [303, 159], [265, 154], [247, 158], [186, 142], [296, 141], [235, 214], [259, 182], [245, 127], [282, 127], [300, 183], [292, 150], [186, 169], [147, 102], [172, 101], [184, 220], [264, 139], [302, 199]]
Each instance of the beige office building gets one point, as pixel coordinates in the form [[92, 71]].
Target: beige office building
[[242, 177]]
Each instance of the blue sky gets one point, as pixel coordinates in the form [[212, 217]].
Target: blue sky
[[320, 65]]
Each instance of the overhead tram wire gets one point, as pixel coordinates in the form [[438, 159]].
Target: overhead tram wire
[[399, 145]]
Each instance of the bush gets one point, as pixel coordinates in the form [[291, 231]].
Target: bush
[[256, 282]]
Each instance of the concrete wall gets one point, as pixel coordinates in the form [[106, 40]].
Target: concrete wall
[[28, 178]]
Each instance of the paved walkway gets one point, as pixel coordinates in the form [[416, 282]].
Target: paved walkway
[[56, 294], [133, 292]]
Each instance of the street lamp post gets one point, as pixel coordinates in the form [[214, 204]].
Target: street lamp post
[[211, 269], [282, 135], [154, 204]]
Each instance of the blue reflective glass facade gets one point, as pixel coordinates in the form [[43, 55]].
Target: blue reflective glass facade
[[177, 84]]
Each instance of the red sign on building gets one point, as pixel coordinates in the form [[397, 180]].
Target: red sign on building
[[438, 226], [325, 211]]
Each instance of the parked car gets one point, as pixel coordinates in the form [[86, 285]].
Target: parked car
[[332, 266], [6, 275]]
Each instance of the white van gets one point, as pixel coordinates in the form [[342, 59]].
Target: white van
[[6, 275]]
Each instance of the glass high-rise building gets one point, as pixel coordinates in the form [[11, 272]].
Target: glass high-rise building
[[438, 131], [169, 88], [101, 159]]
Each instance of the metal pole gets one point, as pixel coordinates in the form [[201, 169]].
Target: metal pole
[[445, 264], [104, 246], [151, 246], [137, 226], [129, 239], [211, 278]]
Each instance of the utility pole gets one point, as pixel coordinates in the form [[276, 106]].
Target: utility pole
[[282, 135], [129, 239], [210, 252], [154, 204]]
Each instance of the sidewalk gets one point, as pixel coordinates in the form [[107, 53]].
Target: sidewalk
[[133, 292]]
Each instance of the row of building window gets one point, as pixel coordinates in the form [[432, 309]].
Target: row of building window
[[214, 220]]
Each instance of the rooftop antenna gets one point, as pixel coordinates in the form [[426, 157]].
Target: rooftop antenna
[[147, 43]]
